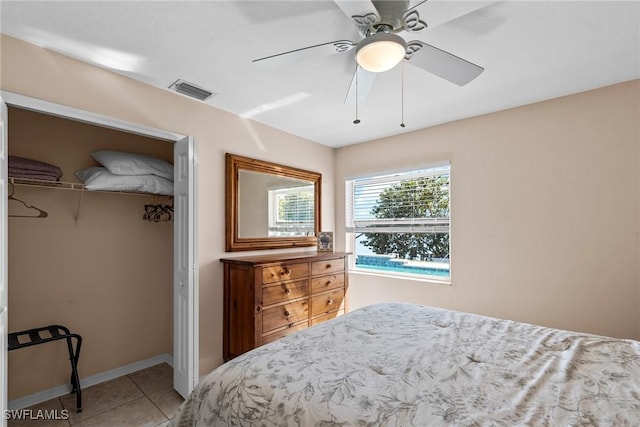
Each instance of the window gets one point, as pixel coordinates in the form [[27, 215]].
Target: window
[[291, 211], [399, 223]]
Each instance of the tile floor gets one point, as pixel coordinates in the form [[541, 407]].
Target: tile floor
[[142, 399]]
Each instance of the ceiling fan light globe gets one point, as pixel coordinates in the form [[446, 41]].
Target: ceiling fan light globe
[[380, 52]]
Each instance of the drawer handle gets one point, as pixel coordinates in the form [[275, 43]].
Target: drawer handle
[[328, 282], [287, 291], [285, 272], [329, 301], [286, 313], [328, 266]]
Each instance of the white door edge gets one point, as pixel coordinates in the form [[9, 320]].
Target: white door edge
[[185, 294], [4, 302]]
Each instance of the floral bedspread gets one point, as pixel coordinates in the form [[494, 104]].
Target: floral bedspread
[[407, 365]]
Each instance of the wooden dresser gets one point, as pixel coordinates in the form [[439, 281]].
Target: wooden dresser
[[269, 296]]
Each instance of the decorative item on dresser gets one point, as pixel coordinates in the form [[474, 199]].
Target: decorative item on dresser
[[267, 297]]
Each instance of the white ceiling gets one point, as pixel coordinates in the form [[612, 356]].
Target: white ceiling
[[531, 51]]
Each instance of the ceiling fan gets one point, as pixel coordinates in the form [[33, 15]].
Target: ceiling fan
[[381, 48]]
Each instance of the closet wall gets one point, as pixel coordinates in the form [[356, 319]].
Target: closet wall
[[107, 276]]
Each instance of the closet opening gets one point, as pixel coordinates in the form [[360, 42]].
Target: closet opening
[[105, 264]]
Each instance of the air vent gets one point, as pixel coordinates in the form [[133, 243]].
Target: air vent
[[191, 90]]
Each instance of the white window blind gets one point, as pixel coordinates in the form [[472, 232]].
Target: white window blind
[[291, 211], [410, 202]]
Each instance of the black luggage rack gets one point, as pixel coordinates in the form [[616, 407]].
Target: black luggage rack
[[56, 332]]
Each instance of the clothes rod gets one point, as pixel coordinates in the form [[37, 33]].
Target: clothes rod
[[76, 186]]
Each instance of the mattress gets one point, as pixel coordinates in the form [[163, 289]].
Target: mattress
[[400, 364]]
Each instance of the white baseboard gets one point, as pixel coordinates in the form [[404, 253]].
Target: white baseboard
[[61, 390]]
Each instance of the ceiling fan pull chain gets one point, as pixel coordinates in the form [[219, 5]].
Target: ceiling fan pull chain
[[357, 120], [402, 93]]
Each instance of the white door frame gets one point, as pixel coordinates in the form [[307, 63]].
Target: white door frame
[[183, 385], [4, 301]]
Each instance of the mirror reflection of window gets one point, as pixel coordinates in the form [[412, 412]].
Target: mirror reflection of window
[[291, 211], [274, 206]]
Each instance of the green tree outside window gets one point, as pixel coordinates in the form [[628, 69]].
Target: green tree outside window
[[426, 197]]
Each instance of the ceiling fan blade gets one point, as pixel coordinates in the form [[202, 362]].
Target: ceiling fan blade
[[309, 52], [439, 12], [361, 12], [441, 63], [364, 82]]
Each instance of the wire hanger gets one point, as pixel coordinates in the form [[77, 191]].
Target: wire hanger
[[41, 213]]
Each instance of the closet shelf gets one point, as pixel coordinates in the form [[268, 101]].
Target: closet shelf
[[60, 185], [46, 184]]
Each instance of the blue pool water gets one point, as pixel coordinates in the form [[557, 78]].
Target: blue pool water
[[441, 272]]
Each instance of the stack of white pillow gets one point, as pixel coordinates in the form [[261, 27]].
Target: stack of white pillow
[[121, 171]]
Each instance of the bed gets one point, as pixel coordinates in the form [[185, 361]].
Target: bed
[[399, 364]]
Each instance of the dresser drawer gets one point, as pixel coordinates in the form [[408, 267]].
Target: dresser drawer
[[325, 283], [283, 333], [326, 316], [324, 303], [327, 266], [283, 315], [269, 296], [284, 291], [282, 272]]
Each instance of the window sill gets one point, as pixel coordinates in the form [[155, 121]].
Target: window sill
[[400, 276]]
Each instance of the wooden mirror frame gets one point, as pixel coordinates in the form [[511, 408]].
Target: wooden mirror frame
[[233, 242]]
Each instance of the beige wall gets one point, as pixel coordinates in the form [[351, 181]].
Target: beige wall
[[545, 212], [36, 72], [107, 277]]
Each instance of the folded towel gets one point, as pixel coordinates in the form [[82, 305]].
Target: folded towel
[[21, 173], [24, 164]]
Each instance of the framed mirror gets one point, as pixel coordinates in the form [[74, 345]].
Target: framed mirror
[[270, 206]]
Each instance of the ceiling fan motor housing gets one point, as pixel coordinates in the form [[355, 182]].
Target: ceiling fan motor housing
[[391, 12]]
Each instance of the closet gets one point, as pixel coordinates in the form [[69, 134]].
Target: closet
[[93, 264]]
